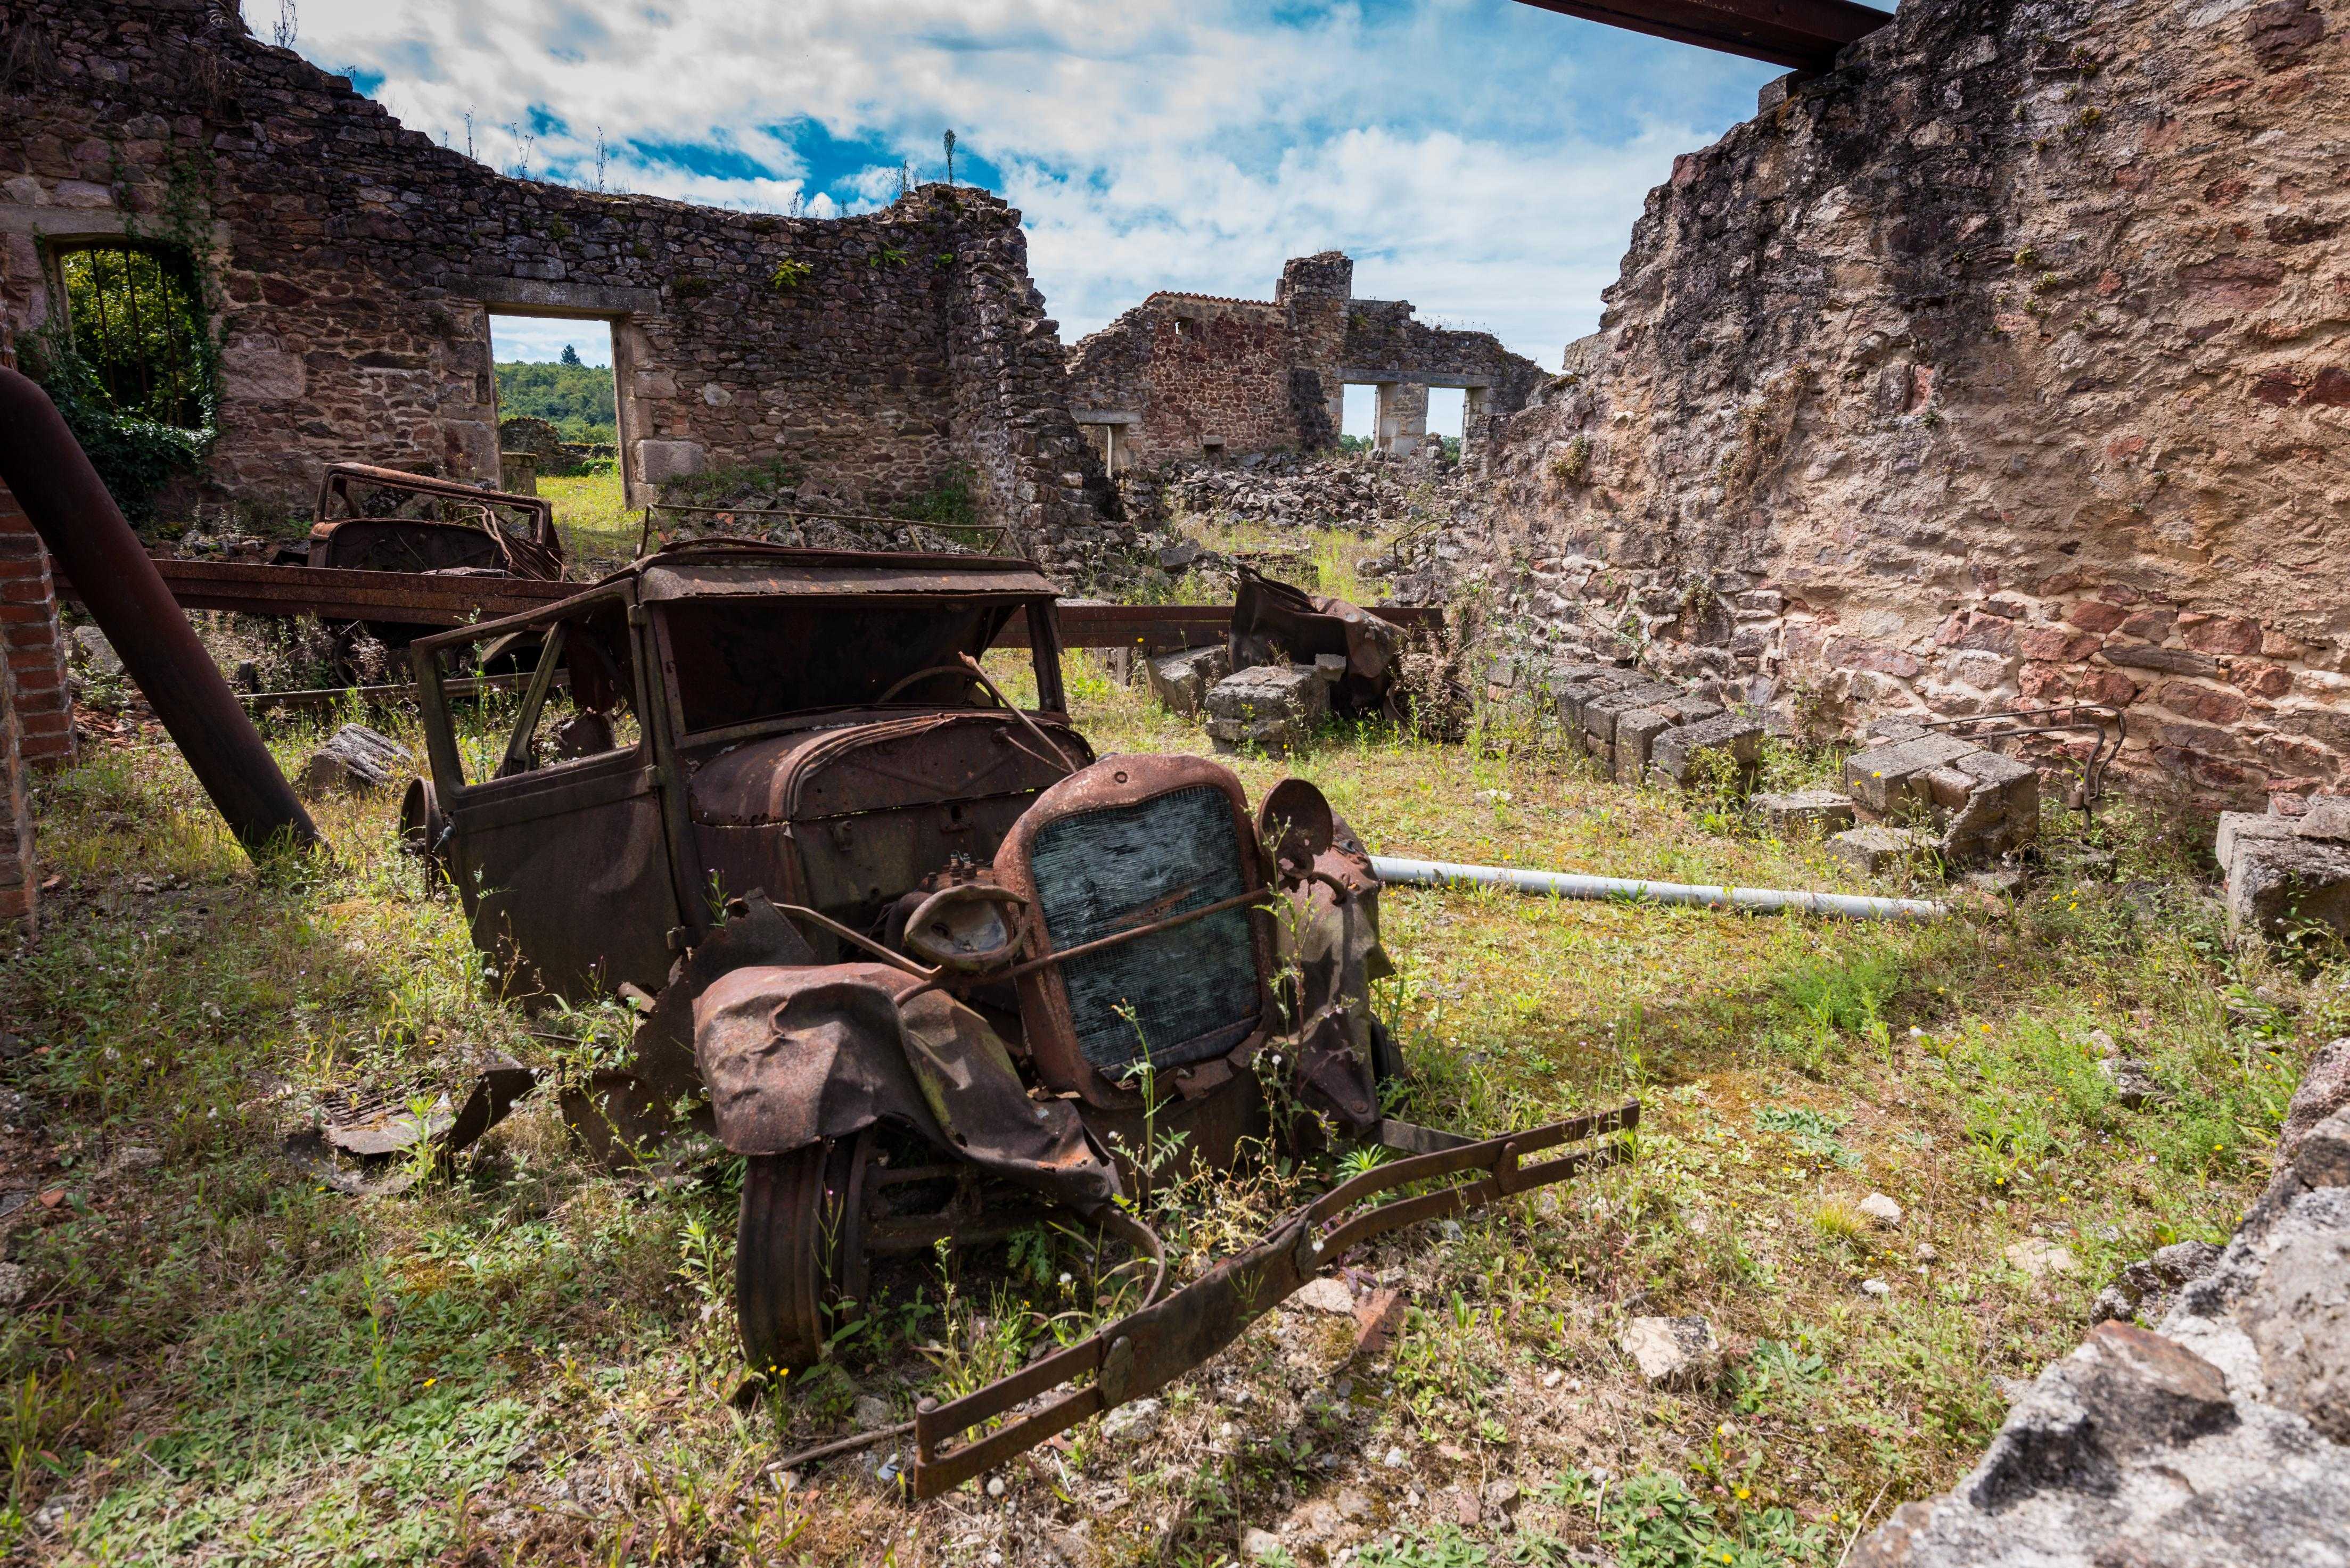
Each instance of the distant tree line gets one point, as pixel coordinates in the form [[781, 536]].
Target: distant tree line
[[576, 399]]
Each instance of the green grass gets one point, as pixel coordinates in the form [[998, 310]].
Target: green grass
[[600, 530], [219, 1361]]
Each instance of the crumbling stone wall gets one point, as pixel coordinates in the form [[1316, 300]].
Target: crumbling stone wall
[[2000, 366], [32, 641], [353, 265], [1181, 374], [1186, 375]]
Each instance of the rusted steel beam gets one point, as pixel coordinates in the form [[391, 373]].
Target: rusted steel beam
[[87, 538], [421, 599], [410, 598], [1803, 34]]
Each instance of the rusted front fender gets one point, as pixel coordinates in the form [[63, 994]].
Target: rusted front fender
[[793, 1055]]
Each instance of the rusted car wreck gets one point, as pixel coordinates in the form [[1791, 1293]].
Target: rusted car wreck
[[922, 956]]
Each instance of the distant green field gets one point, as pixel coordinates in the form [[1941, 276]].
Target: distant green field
[[576, 399]]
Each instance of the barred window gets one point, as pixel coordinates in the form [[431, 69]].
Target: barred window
[[133, 316]]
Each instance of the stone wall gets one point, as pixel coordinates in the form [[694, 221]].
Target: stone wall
[[1186, 375], [32, 641], [352, 266], [2001, 366]]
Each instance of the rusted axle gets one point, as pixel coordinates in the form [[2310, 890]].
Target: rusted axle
[[84, 530], [1149, 1349]]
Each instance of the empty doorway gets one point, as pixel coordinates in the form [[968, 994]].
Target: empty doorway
[[559, 421], [1448, 409], [1358, 431]]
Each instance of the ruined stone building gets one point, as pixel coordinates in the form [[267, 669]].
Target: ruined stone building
[[348, 268], [1188, 375], [2001, 366]]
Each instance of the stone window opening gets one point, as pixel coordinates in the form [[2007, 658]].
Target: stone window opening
[[133, 313]]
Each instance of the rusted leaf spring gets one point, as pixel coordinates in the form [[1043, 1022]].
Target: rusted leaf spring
[[1147, 1350]]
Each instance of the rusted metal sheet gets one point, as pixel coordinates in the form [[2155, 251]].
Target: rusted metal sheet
[[1272, 619], [1804, 34], [1149, 1349], [84, 533]]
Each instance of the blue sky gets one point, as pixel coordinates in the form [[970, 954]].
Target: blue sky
[[1479, 158]]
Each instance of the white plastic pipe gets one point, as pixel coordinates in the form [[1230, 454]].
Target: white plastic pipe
[[1567, 885]]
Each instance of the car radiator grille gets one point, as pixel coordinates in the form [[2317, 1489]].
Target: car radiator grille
[[1193, 989]]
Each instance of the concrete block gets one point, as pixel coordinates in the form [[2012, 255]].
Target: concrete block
[[1600, 714], [2277, 884], [1272, 707], [1679, 754], [1875, 850], [1878, 778], [2238, 828], [1635, 733], [1181, 681], [1892, 732], [1813, 811]]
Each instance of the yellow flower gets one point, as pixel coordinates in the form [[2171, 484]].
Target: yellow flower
[[1744, 1494]]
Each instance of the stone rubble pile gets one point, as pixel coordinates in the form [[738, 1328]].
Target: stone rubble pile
[[1359, 491], [2288, 866], [2221, 1437]]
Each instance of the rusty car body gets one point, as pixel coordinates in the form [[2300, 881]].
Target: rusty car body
[[373, 519], [930, 965]]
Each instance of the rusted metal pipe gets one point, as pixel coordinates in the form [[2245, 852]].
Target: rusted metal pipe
[[1569, 885], [84, 530]]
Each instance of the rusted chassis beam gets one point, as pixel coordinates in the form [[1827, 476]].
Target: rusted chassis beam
[[1803, 34], [86, 535], [1147, 1350], [411, 598]]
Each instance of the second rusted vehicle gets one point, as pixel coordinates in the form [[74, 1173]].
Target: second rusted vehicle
[[905, 942], [370, 519]]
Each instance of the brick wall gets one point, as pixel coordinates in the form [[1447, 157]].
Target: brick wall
[[32, 640], [19, 884]]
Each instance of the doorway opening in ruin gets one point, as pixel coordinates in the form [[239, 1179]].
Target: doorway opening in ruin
[[1447, 410], [1359, 425], [557, 371], [559, 420]]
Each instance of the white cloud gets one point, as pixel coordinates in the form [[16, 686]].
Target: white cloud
[[1479, 158]]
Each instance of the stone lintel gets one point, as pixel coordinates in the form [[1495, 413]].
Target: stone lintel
[[543, 298]]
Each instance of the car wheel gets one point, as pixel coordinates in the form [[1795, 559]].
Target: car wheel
[[798, 1249]]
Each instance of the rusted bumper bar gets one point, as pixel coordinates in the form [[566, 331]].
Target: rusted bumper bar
[[1149, 1349]]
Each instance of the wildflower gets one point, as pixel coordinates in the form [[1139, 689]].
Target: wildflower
[[1744, 1494]]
